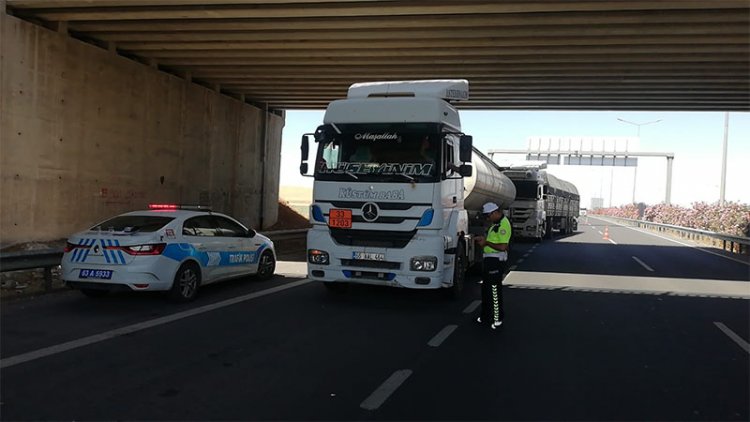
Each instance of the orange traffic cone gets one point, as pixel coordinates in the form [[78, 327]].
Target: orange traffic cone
[[606, 233]]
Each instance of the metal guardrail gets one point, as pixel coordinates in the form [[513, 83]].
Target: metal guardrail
[[736, 244], [50, 258]]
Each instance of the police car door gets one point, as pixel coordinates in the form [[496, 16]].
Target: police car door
[[240, 257], [203, 237]]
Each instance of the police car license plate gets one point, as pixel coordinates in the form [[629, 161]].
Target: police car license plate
[[100, 274], [369, 256]]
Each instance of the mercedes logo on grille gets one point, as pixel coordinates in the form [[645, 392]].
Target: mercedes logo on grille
[[96, 249], [370, 212]]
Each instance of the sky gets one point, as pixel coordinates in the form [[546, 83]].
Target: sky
[[695, 138]]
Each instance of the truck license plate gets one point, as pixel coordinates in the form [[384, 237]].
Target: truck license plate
[[369, 256], [341, 219], [100, 274]]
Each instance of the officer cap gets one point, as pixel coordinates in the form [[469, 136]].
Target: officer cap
[[489, 207]]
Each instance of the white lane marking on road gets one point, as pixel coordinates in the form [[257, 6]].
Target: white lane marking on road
[[643, 264], [526, 255], [379, 396], [684, 244], [74, 344], [600, 232], [737, 339], [442, 335], [647, 285], [472, 306], [612, 241]]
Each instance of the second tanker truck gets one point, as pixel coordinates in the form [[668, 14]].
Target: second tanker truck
[[397, 188]]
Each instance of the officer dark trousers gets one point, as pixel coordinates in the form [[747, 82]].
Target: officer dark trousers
[[492, 290]]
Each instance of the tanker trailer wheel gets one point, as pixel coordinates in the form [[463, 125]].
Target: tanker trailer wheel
[[459, 272]]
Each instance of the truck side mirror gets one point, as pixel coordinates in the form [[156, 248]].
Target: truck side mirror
[[464, 148], [465, 170], [305, 148]]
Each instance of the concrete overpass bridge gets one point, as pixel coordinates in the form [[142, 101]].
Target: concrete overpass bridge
[[110, 104]]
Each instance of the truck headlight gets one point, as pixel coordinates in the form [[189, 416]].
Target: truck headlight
[[424, 263], [315, 256]]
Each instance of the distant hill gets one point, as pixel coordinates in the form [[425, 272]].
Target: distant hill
[[301, 195]]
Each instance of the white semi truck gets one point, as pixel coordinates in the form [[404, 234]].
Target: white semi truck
[[543, 202], [397, 188]]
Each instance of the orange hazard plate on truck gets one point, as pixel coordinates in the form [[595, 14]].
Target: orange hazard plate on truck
[[341, 219]]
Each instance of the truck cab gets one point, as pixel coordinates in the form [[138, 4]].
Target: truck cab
[[388, 196]]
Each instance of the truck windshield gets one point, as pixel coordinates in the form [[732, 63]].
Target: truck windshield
[[383, 152], [526, 189]]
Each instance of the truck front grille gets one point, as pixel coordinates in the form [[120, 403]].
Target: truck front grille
[[521, 215], [386, 265], [372, 238]]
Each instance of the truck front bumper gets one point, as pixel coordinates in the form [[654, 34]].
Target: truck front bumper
[[393, 270]]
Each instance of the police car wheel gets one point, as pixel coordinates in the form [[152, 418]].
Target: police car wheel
[[267, 266], [186, 283]]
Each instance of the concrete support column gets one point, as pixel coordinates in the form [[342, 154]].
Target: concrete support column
[[61, 27], [668, 196]]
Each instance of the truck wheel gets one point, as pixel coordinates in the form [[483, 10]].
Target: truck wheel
[[459, 272], [542, 233], [186, 283], [548, 228]]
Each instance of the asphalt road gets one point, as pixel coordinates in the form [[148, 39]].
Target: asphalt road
[[591, 333]]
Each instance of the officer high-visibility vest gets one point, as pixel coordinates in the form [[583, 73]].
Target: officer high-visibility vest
[[498, 233]]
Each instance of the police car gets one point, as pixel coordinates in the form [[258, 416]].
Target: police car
[[168, 248]]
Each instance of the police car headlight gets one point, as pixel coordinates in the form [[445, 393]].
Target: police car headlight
[[315, 256], [424, 263]]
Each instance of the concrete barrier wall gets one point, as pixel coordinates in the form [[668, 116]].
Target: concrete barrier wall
[[86, 134]]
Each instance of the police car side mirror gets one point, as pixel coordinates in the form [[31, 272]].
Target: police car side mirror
[[250, 233]]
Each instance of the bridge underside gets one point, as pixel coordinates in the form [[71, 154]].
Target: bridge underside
[[579, 55]]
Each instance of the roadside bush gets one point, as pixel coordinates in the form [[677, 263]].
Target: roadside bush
[[730, 218]]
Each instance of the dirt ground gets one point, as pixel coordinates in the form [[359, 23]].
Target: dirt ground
[[24, 283]]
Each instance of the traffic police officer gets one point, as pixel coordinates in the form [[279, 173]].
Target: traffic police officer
[[494, 264]]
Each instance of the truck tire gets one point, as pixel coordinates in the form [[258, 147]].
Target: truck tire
[[459, 272], [542, 234], [548, 227]]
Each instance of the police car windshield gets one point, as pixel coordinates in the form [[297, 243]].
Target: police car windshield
[[134, 223], [382, 152]]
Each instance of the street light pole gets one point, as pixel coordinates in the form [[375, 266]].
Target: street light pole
[[638, 134], [722, 190]]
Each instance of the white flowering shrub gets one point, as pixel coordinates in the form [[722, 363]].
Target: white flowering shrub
[[731, 218]]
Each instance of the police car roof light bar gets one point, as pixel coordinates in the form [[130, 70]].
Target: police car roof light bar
[[178, 207]]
